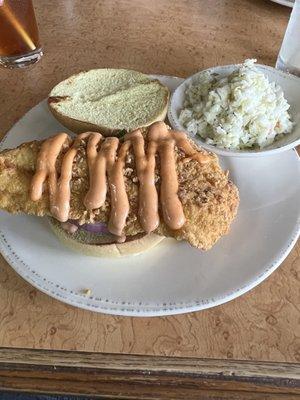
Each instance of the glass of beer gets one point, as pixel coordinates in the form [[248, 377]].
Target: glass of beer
[[19, 36]]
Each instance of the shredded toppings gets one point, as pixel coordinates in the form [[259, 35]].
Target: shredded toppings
[[239, 111]]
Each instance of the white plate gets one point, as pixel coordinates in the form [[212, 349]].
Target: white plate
[[172, 278], [290, 85], [288, 3]]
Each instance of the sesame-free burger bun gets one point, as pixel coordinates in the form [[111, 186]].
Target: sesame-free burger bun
[[108, 101]]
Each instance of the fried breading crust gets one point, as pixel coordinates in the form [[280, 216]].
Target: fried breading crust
[[209, 199]]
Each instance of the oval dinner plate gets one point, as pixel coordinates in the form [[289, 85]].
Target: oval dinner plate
[[172, 278]]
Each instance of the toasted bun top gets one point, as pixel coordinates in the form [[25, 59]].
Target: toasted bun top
[[109, 100]]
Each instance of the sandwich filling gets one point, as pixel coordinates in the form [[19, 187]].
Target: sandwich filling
[[35, 180], [92, 234], [106, 160]]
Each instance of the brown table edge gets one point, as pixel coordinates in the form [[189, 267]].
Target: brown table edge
[[123, 376]]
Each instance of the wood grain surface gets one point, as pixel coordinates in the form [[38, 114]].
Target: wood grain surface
[[165, 37], [145, 377]]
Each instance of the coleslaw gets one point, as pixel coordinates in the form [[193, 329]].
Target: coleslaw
[[241, 111]]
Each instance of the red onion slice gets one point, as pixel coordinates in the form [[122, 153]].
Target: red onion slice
[[97, 227]]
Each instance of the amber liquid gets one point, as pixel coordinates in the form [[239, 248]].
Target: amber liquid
[[18, 28]]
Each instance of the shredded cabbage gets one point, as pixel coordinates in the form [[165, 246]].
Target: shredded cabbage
[[240, 111]]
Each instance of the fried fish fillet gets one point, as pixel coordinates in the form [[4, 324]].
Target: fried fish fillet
[[210, 200]]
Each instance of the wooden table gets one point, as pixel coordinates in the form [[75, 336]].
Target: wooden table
[[259, 329]]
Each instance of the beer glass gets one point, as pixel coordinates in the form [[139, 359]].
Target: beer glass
[[19, 38]]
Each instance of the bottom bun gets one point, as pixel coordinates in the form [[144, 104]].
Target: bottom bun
[[133, 245]]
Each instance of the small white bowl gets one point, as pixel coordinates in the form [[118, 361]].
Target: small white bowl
[[290, 85]]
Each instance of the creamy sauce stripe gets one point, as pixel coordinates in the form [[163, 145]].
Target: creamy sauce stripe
[[106, 161], [145, 168]]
